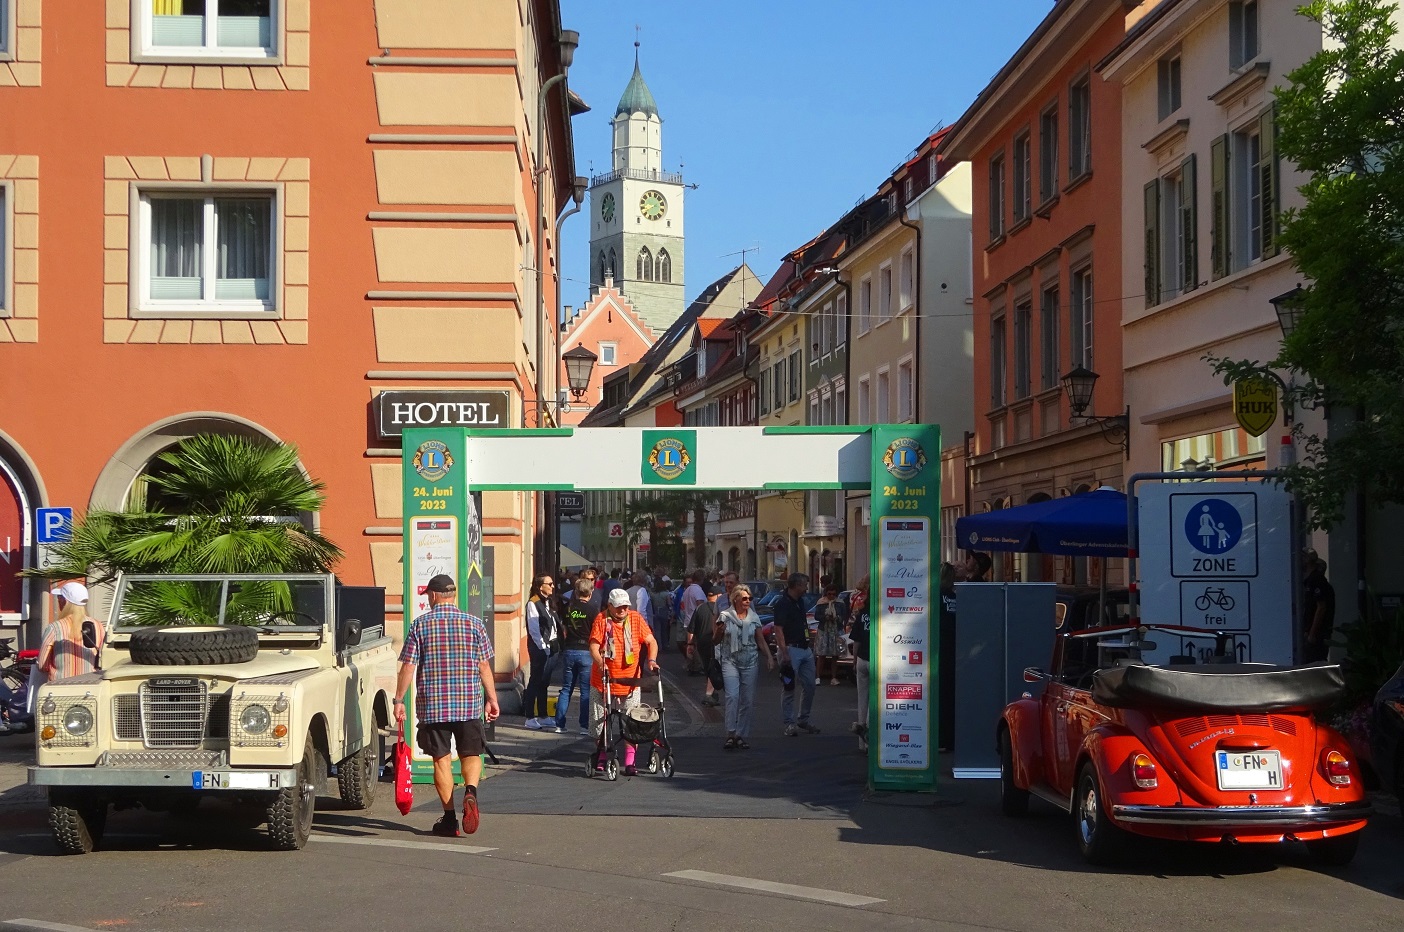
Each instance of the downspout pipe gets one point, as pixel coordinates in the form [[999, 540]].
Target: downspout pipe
[[916, 316]]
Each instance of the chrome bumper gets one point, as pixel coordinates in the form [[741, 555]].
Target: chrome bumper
[[1276, 816], [125, 778]]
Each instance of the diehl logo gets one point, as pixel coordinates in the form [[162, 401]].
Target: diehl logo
[[432, 460], [904, 458], [669, 458]]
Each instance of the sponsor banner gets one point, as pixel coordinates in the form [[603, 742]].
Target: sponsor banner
[[903, 690]]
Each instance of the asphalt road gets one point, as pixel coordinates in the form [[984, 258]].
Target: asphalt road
[[879, 862]]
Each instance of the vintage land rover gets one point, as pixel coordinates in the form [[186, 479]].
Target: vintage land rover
[[247, 688]]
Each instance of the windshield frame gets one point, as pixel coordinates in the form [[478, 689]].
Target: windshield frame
[[225, 580]]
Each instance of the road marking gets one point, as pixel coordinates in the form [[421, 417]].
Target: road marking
[[396, 843], [39, 925], [783, 889]]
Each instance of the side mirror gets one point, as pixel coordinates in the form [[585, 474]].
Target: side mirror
[[351, 632], [1035, 675]]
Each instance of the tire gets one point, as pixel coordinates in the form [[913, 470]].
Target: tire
[[357, 777], [612, 769], [1337, 851], [77, 824], [590, 765], [667, 767], [189, 646], [1202, 603], [290, 813], [1013, 801], [653, 755], [1098, 839]]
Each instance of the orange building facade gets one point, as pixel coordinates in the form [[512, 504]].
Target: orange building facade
[[255, 220], [1044, 143]]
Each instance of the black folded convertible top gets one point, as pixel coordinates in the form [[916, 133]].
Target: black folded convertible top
[[1220, 687]]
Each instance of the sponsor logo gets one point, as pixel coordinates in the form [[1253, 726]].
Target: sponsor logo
[[904, 458], [904, 706], [896, 593], [432, 460], [893, 726], [904, 738], [669, 458], [905, 609], [914, 656], [903, 690], [913, 639], [903, 756]]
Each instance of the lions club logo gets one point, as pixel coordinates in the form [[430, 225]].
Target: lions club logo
[[432, 460], [904, 458], [669, 458]]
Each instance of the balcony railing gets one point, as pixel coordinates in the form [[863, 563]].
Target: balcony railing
[[637, 174]]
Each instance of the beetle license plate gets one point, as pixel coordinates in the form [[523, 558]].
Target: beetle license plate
[[208, 780], [1249, 770]]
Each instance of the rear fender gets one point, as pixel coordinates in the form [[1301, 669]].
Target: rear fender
[[1322, 788], [1021, 720], [1111, 749]]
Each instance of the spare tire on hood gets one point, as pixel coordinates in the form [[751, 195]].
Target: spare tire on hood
[[194, 645]]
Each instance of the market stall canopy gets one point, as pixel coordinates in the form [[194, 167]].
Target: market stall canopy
[[1092, 524], [570, 560]]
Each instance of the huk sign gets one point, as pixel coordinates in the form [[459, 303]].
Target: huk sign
[[1255, 405], [396, 411]]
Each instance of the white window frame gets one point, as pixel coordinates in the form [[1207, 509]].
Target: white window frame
[[763, 390], [814, 420], [143, 305], [1245, 32], [882, 396], [1245, 197], [906, 394], [1023, 175], [796, 370], [1082, 316], [865, 305], [7, 246], [865, 401], [1169, 85], [826, 334], [1079, 126], [145, 49], [840, 401], [1048, 153], [610, 350], [885, 295], [906, 281]]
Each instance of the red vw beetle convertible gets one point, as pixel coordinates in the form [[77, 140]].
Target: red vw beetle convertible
[[1187, 750]]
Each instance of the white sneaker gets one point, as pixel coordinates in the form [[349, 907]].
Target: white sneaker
[[817, 681], [534, 724], [558, 729]]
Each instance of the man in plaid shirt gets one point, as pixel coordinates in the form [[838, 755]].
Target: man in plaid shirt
[[452, 655]]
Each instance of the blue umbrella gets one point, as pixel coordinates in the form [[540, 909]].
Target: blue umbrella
[[1092, 524]]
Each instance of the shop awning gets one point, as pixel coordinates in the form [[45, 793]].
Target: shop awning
[[570, 560]]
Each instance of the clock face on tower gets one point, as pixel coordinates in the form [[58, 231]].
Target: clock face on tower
[[652, 205], [607, 208]]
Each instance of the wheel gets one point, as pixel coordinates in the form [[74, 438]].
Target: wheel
[[653, 756], [1337, 851], [612, 769], [1098, 839], [290, 814], [666, 768], [357, 777], [1012, 800], [590, 764], [1202, 603], [194, 645], [77, 824]]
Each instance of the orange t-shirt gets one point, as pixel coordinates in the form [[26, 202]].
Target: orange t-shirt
[[639, 635]]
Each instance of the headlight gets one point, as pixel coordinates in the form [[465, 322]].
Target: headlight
[[77, 720], [255, 719], [49, 707]]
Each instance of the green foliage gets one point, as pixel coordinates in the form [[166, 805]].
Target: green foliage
[[167, 602], [1341, 121], [665, 515], [222, 505], [1374, 650]]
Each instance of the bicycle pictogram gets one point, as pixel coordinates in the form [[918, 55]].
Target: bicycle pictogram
[[1214, 596]]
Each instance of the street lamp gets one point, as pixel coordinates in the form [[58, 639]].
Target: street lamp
[[1079, 383], [579, 363], [1289, 310]]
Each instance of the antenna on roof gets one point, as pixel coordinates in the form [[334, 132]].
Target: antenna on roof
[[742, 253]]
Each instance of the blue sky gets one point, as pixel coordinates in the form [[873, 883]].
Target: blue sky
[[784, 112]]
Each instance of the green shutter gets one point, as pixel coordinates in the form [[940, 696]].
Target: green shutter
[[1189, 222], [1267, 180], [1153, 277], [1218, 200]]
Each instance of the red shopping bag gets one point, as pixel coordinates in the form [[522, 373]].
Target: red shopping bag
[[404, 778]]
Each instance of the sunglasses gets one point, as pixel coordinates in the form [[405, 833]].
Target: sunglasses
[[743, 598]]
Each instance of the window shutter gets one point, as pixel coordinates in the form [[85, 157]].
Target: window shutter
[[1218, 198], [1189, 222], [1267, 179], [1153, 243]]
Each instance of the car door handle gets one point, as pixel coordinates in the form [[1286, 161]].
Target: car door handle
[[1062, 707]]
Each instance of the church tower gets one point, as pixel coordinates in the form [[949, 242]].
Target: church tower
[[636, 212]]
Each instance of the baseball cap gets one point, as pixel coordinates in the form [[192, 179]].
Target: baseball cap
[[441, 583], [74, 592], [618, 597]]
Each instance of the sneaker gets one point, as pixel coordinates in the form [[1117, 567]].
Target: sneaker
[[631, 771], [470, 813], [534, 724], [447, 827], [817, 681], [584, 732], [808, 728], [558, 729], [791, 731]]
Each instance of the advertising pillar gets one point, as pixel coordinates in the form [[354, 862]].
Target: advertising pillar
[[903, 598], [443, 534]]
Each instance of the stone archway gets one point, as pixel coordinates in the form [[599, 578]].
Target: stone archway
[[23, 491]]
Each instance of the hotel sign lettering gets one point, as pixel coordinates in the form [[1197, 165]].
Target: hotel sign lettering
[[397, 410]]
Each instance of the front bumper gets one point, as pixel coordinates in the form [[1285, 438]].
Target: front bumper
[[129, 778], [1225, 816]]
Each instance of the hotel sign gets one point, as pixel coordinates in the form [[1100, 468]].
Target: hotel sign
[[397, 410]]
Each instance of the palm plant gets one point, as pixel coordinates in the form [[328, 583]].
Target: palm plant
[[214, 504]]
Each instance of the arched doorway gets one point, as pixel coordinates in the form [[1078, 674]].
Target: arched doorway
[[20, 493]]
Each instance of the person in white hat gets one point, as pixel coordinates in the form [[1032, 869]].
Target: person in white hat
[[621, 641], [72, 641]]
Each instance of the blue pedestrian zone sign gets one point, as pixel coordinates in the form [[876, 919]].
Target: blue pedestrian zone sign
[[1213, 526]]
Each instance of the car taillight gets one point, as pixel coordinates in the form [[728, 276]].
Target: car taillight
[[1336, 766], [1143, 771]]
